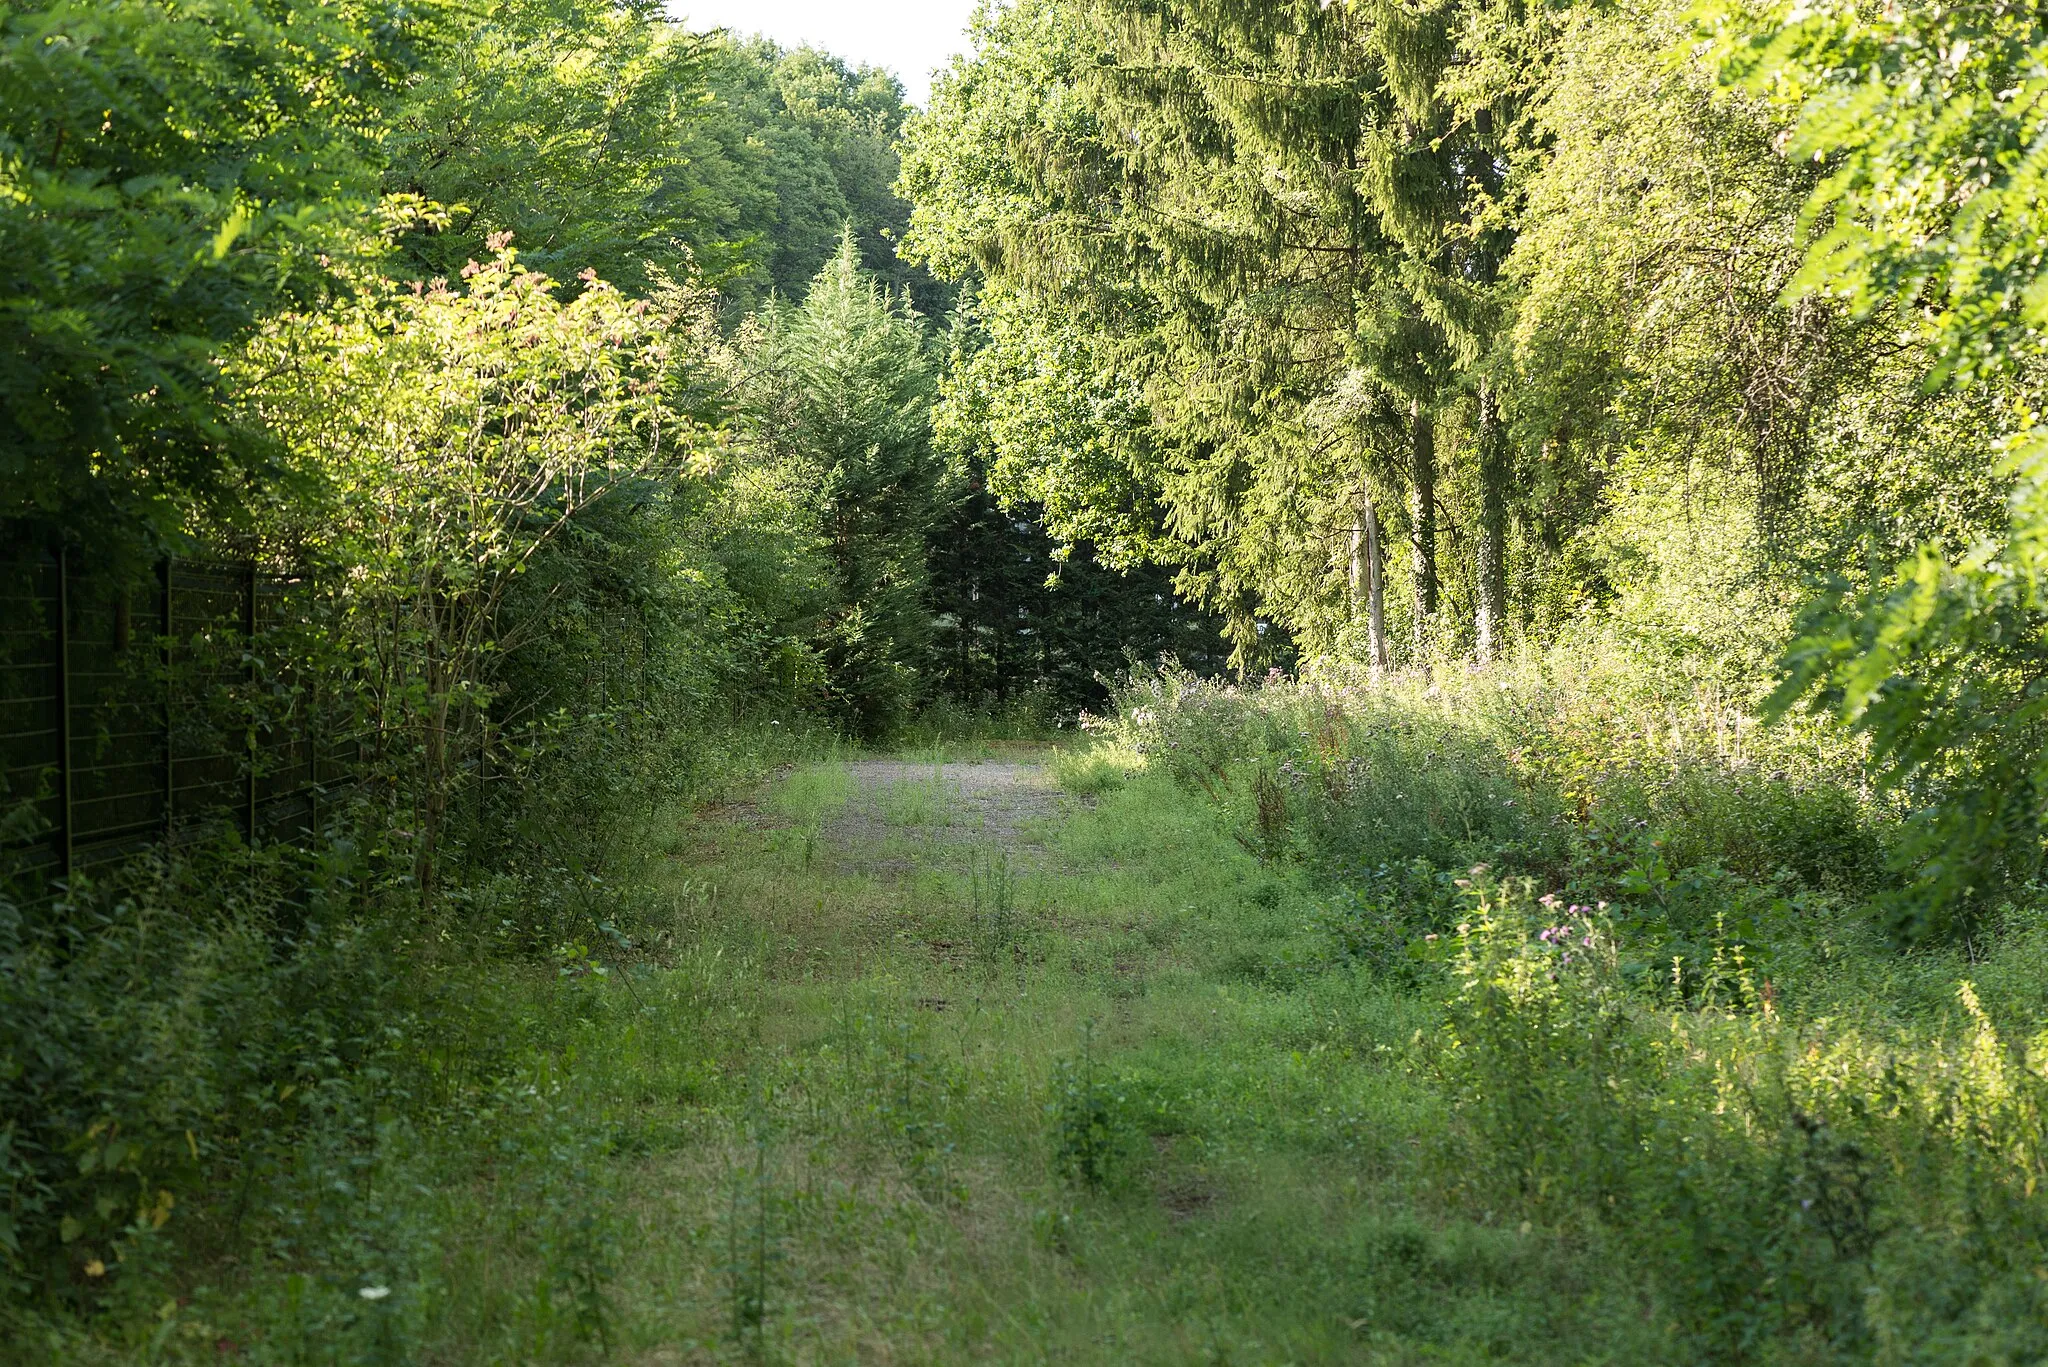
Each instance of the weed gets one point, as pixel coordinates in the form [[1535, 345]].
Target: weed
[[1372, 1132], [913, 1111], [917, 802], [747, 1261], [1092, 771], [1088, 1136], [576, 1244], [992, 912]]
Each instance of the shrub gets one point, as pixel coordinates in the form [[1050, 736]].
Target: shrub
[[1779, 1180], [1584, 767], [158, 1035]]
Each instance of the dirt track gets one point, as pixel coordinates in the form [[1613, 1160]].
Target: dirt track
[[992, 803]]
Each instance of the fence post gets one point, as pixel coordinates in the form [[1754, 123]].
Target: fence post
[[168, 659], [64, 824], [249, 640]]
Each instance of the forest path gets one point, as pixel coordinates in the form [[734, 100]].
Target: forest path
[[963, 1068], [955, 805]]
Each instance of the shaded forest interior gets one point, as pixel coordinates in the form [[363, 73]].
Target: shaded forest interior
[[1418, 623]]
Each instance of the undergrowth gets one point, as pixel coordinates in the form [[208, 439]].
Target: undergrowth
[[1495, 1017], [259, 1105], [1672, 1009]]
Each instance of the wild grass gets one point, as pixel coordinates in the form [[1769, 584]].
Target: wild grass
[[1672, 1011], [1031, 719], [906, 1118], [812, 793], [822, 1115], [1237, 1059], [1089, 770], [918, 801]]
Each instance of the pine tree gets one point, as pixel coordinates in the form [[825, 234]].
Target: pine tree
[[1282, 221], [844, 388]]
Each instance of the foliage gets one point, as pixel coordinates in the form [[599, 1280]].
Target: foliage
[[1786, 1181], [1556, 292], [1664, 1024], [172, 174], [161, 1032], [1938, 669], [1091, 1135], [1554, 769], [263, 1055], [457, 433], [841, 394], [1926, 119], [1627, 416], [563, 123], [608, 138], [1253, 230], [794, 147], [1017, 616]]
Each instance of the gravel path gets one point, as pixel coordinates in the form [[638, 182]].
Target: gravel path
[[960, 805]]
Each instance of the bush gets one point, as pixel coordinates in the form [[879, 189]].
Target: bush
[[1596, 769], [161, 1034], [1781, 1182], [1632, 902]]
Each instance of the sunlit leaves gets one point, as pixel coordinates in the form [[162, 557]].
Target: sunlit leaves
[[1932, 123], [454, 433], [169, 173], [563, 122]]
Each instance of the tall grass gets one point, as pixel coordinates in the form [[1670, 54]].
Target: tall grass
[[1671, 1013], [1242, 1058], [261, 1087], [1788, 1180]]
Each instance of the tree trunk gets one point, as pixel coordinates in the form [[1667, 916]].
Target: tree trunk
[[434, 807], [1422, 529], [1368, 593], [1493, 525]]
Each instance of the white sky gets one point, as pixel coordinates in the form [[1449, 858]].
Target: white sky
[[909, 37]]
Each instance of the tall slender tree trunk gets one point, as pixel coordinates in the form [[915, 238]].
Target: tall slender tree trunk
[[1493, 525], [1368, 592], [434, 807], [1422, 524]]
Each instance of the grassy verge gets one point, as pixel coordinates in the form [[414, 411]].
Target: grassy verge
[[1225, 1053], [1112, 1103], [1674, 1018], [1092, 1092]]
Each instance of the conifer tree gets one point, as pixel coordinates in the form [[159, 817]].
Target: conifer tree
[[844, 390], [1285, 223]]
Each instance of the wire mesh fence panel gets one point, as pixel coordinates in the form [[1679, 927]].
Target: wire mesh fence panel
[[31, 714], [134, 713], [116, 713]]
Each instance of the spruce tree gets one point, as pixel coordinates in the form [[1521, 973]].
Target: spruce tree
[[1283, 221], [844, 389]]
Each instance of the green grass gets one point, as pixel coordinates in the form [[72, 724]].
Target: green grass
[[1090, 770], [880, 1167], [868, 1076], [1097, 1104], [865, 1083], [917, 802], [811, 794]]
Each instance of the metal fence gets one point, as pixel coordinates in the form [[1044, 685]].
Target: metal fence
[[136, 714]]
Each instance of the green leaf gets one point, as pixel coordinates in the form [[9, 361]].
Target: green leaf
[[223, 240]]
